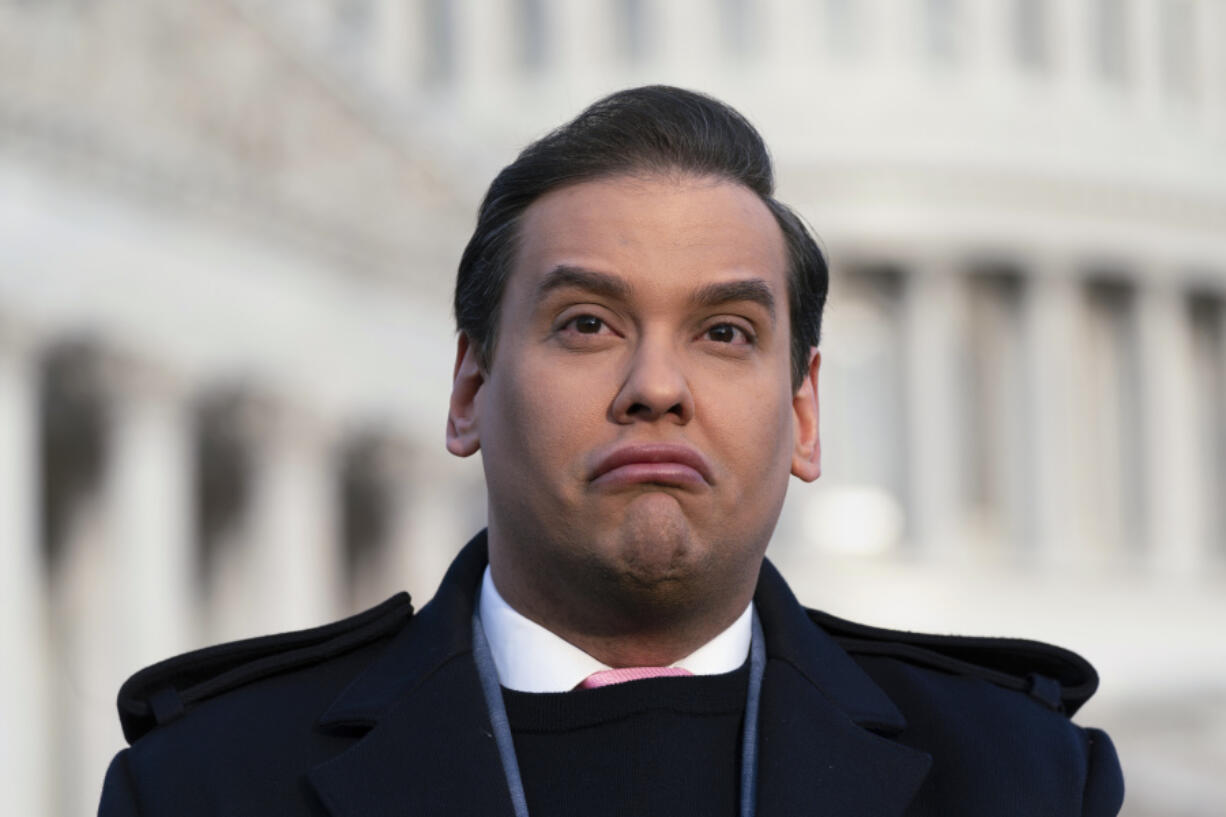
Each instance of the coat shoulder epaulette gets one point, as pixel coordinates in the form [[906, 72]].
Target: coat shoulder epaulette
[[1060, 679], [163, 692]]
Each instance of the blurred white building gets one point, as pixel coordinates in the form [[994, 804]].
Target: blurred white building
[[228, 235]]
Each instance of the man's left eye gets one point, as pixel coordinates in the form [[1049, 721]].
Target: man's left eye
[[727, 333]]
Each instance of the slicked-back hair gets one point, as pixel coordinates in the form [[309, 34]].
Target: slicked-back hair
[[655, 129]]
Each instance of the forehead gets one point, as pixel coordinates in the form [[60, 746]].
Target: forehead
[[656, 232]]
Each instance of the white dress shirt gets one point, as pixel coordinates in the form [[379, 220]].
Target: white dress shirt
[[530, 658]]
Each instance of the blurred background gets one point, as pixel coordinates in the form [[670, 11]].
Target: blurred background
[[228, 236]]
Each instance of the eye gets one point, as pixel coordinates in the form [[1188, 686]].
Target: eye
[[587, 324], [727, 333]]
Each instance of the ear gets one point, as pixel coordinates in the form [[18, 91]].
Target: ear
[[463, 437], [807, 450]]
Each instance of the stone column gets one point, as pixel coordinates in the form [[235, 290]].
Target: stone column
[[148, 497], [1216, 487], [687, 38], [1143, 55], [1216, 466], [581, 46], [1050, 317], [392, 62], [792, 36], [25, 758], [934, 310], [373, 471], [1211, 66], [1173, 514], [124, 594], [417, 36], [988, 52], [486, 37], [1073, 43], [890, 35], [291, 567], [146, 508], [442, 508]]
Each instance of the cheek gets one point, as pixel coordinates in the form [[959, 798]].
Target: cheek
[[755, 428], [545, 417]]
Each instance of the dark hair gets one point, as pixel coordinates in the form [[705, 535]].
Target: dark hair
[[653, 129]]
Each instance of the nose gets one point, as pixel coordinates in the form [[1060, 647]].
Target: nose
[[655, 387]]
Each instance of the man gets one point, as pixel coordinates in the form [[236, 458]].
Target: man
[[637, 364]]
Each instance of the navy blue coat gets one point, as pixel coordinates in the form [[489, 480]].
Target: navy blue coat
[[382, 714]]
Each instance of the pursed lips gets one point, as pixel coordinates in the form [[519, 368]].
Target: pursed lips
[[663, 463]]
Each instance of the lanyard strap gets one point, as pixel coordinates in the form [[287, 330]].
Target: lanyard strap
[[494, 704], [753, 696], [498, 715]]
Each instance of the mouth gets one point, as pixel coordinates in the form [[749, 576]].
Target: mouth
[[658, 463]]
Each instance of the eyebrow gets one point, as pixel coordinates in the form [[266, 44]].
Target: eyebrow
[[753, 290], [598, 283]]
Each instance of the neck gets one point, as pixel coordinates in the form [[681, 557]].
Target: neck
[[619, 628]]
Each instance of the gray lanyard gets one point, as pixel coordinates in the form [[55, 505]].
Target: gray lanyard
[[506, 745]]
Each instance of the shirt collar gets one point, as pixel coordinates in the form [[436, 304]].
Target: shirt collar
[[530, 658]]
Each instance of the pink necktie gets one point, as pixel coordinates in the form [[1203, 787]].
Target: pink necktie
[[608, 677]]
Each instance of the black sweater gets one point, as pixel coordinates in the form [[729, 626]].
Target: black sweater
[[659, 746]]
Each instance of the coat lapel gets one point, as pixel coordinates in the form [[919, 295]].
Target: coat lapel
[[822, 723], [428, 748]]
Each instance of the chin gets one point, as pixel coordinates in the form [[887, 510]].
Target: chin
[[654, 547]]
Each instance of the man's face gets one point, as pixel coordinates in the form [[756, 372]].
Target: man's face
[[637, 422]]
